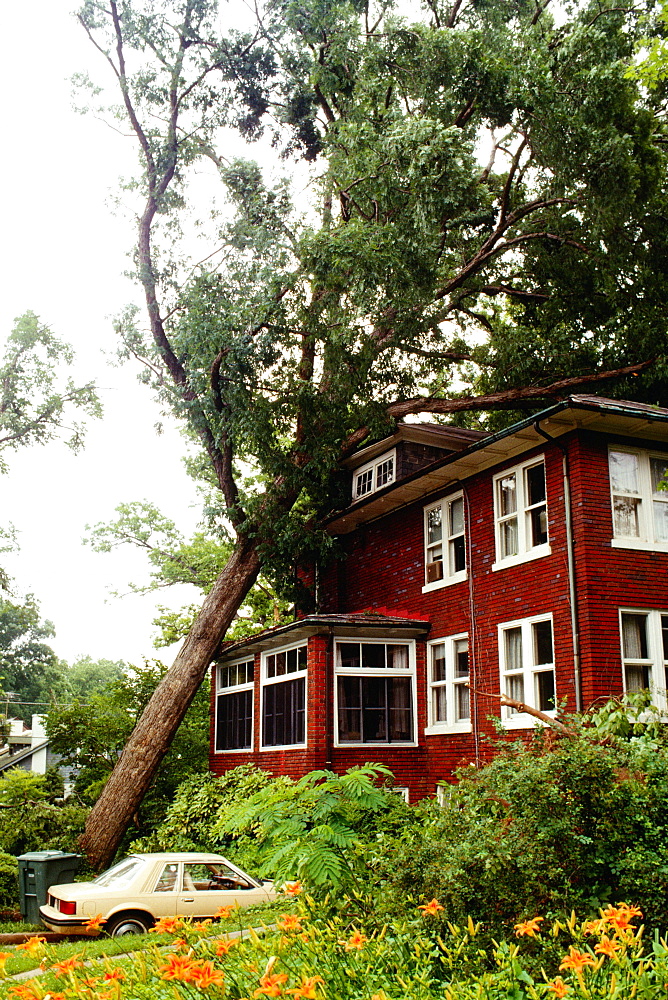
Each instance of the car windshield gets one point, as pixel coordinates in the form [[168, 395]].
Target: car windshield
[[120, 874]]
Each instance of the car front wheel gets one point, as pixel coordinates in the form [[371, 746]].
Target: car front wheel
[[128, 923]]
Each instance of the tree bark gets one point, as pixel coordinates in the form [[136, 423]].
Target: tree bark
[[153, 734]]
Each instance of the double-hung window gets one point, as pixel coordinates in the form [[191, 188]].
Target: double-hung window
[[374, 475], [639, 503], [444, 542], [284, 697], [520, 507], [234, 706], [526, 653], [449, 696], [375, 692], [644, 641]]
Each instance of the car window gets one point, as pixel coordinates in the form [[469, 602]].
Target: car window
[[202, 877], [167, 880], [120, 874]]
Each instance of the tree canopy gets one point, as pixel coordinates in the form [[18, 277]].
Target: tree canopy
[[480, 229]]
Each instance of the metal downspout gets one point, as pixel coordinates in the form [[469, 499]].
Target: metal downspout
[[570, 548]]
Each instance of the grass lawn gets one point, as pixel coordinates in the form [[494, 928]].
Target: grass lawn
[[89, 949]]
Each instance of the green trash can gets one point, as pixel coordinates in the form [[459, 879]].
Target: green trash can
[[39, 870]]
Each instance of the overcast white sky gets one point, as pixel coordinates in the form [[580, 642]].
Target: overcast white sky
[[62, 255]]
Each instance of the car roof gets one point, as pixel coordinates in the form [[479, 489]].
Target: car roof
[[180, 856]]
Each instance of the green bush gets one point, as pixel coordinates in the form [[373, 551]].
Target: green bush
[[9, 882]]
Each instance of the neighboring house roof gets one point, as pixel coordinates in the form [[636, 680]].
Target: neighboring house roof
[[614, 416], [11, 760], [362, 624]]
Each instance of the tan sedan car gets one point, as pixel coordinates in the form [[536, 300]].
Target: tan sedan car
[[137, 891]]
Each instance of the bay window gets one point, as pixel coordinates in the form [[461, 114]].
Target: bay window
[[283, 683], [375, 694]]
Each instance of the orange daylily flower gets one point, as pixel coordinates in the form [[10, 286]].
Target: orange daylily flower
[[22, 993], [528, 928], [357, 940], [576, 960], [620, 916], [90, 982], [558, 987], [289, 922], [308, 988], [177, 967], [206, 975], [431, 908], [4, 955], [117, 974], [225, 945], [167, 925], [67, 966], [32, 945], [271, 985], [178, 943], [293, 889], [223, 912], [594, 926], [56, 996], [607, 947], [202, 925], [95, 923]]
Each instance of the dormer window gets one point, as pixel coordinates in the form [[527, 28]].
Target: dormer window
[[374, 475]]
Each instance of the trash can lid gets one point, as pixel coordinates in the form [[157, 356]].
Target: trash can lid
[[46, 856]]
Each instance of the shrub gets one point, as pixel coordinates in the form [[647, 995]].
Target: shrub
[[9, 882]]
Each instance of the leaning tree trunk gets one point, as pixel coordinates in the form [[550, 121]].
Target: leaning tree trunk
[[151, 738]]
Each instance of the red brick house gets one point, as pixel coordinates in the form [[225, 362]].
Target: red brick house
[[532, 561]]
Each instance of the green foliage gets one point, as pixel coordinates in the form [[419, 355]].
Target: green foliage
[[90, 736], [9, 882], [29, 818], [545, 827], [29, 667]]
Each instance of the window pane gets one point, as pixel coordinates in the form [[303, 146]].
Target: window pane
[[507, 495], [545, 699], [515, 687], [399, 699], [348, 655], [283, 714], [350, 709], [373, 655], [385, 473], [625, 516], [542, 642], [637, 677], [397, 657], [664, 635], [271, 665], [634, 637], [457, 554], [438, 662], [167, 880], [234, 720], [462, 658], [512, 638], [624, 472], [508, 530], [538, 520], [434, 526], [457, 516], [301, 657], [364, 483], [658, 468], [462, 703], [660, 511], [280, 664], [535, 478], [440, 704]]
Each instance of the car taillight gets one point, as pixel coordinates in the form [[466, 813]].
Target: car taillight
[[68, 908]]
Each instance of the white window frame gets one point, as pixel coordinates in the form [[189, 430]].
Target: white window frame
[[375, 468], [450, 683], [410, 672], [529, 671], [526, 550], [647, 535], [221, 691], [447, 540], [266, 682], [656, 663]]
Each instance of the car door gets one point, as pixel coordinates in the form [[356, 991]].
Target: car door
[[207, 887]]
